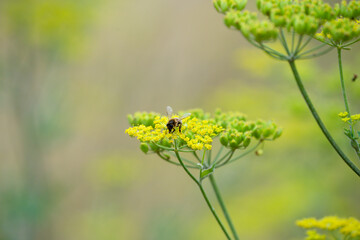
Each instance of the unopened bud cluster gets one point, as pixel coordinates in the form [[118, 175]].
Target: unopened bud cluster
[[240, 133], [142, 118], [305, 17]]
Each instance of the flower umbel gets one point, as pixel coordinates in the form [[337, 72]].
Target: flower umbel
[[348, 228], [162, 135], [196, 134]]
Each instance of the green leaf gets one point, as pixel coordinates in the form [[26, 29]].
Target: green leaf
[[206, 172]]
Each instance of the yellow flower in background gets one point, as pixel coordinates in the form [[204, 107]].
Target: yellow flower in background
[[351, 228], [313, 235], [343, 114], [346, 226], [355, 117]]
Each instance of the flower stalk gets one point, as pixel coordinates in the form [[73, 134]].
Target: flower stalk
[[223, 207], [233, 131]]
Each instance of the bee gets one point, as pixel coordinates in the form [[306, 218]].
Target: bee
[[174, 122]]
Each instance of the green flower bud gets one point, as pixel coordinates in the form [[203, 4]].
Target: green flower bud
[[221, 6], [278, 18], [245, 30], [130, 119], [266, 7], [239, 138], [233, 144], [153, 147], [324, 11], [246, 142], [144, 147], [230, 18], [167, 156], [166, 143], [224, 140], [277, 133], [256, 133], [268, 131], [239, 4]]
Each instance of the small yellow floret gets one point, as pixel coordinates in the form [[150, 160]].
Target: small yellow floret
[[346, 119], [313, 235], [343, 114]]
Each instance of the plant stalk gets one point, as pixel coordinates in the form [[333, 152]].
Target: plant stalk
[[346, 103], [212, 209], [319, 121], [222, 205]]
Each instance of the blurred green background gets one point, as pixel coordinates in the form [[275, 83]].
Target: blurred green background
[[70, 72]]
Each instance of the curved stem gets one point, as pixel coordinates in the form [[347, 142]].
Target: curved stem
[[222, 205], [319, 122], [298, 46], [245, 153], [227, 160], [218, 153], [315, 54], [223, 157], [202, 192], [169, 161], [197, 157], [350, 43], [347, 108], [308, 52], [283, 41]]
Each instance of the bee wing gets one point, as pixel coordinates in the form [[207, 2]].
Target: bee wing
[[169, 111], [185, 115]]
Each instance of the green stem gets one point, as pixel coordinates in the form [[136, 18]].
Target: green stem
[[227, 160], [218, 153], [203, 158], [222, 205], [245, 153], [292, 41], [197, 157], [350, 43], [346, 103], [202, 192], [318, 120], [343, 85], [178, 164], [223, 157], [283, 41], [315, 54], [209, 158], [311, 50]]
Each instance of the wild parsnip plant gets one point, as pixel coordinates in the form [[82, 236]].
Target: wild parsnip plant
[[296, 23], [191, 146], [331, 227]]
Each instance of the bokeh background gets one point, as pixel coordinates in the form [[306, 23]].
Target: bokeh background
[[71, 71]]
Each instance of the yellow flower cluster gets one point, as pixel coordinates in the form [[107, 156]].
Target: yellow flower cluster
[[199, 133], [347, 226], [346, 118], [195, 134], [313, 235]]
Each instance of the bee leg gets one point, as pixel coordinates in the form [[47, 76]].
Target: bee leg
[[179, 128]]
